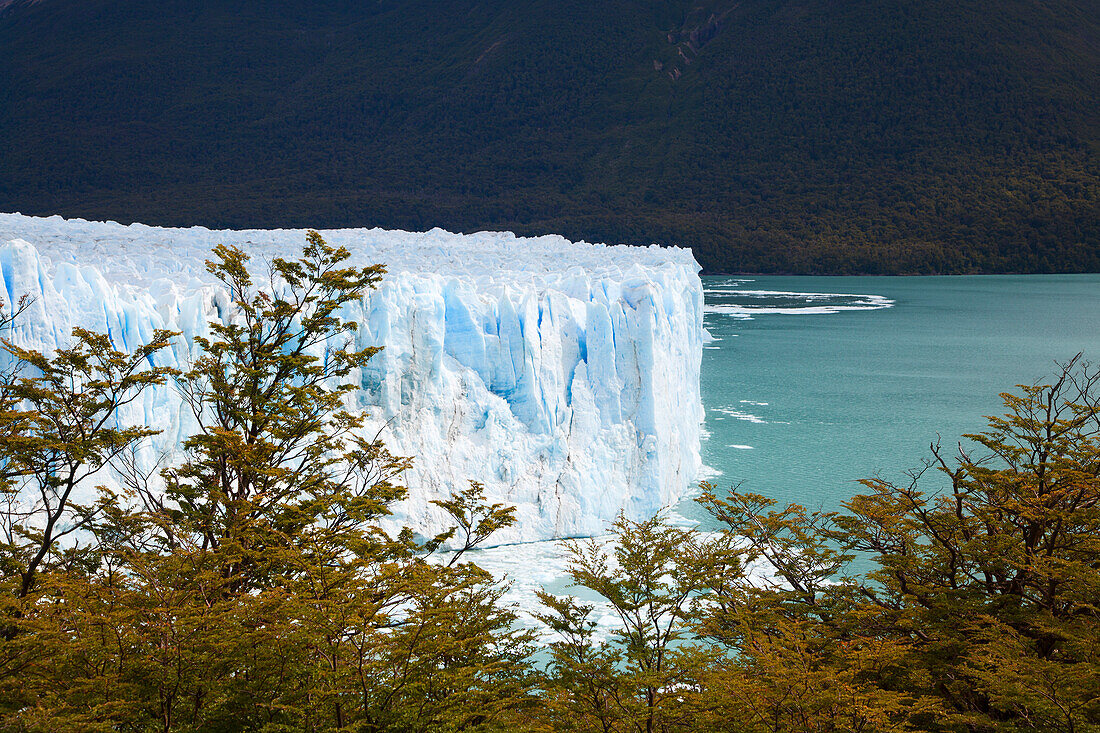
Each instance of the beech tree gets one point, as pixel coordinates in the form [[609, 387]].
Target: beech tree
[[982, 612], [1001, 569], [261, 586], [58, 429], [655, 579], [260, 590]]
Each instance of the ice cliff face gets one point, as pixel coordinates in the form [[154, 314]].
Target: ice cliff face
[[564, 376]]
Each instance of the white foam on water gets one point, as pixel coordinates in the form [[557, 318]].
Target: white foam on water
[[740, 415], [801, 303], [706, 473]]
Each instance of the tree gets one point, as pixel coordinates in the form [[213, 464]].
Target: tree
[[58, 429], [655, 579], [804, 651], [982, 614], [1002, 568], [276, 452], [260, 591]]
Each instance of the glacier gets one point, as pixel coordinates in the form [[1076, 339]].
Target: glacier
[[564, 376]]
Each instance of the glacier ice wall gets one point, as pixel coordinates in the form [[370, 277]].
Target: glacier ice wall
[[564, 376]]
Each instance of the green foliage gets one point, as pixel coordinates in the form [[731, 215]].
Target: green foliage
[[263, 590], [982, 612], [58, 428], [259, 591], [804, 651], [655, 578], [475, 519], [276, 454], [1005, 561], [872, 136]]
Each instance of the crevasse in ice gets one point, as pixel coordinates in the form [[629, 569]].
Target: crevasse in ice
[[564, 376]]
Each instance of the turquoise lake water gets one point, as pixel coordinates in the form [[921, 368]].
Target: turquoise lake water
[[814, 383]]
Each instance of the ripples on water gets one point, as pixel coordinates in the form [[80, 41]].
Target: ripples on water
[[828, 401], [729, 299]]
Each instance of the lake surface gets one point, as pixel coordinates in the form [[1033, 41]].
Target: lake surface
[[813, 383]]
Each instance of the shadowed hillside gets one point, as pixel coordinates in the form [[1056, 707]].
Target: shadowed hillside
[[770, 136]]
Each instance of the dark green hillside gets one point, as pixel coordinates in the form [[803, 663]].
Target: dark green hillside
[[812, 136]]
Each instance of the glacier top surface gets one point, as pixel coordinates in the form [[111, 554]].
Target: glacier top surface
[[138, 254]]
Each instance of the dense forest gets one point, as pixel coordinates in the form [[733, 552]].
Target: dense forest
[[808, 136], [250, 585]]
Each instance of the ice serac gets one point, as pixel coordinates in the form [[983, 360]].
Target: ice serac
[[564, 376]]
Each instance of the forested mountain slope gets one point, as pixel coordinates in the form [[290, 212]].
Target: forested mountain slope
[[768, 135]]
